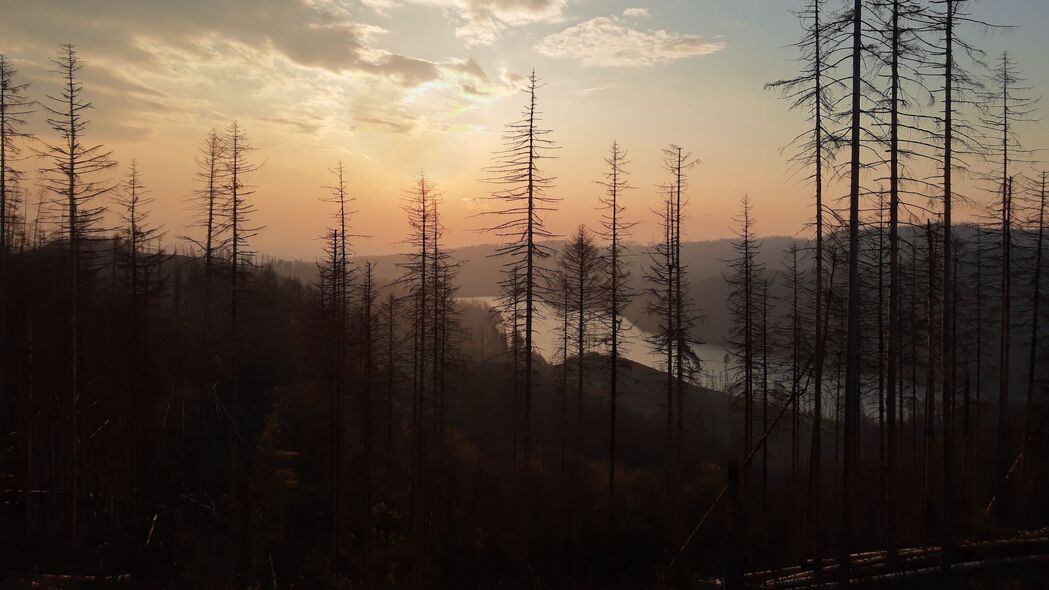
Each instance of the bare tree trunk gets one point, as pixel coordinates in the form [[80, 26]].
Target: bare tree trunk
[[1004, 430], [391, 304], [893, 360], [852, 364], [816, 453], [947, 326], [930, 384], [1035, 308]]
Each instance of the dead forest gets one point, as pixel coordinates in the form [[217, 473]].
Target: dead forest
[[177, 412]]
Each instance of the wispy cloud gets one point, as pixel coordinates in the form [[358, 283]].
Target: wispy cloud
[[308, 66], [608, 41], [480, 22], [636, 12], [596, 89]]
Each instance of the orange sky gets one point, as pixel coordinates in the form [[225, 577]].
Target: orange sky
[[395, 87]]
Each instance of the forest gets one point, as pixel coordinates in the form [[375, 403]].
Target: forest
[[180, 411]]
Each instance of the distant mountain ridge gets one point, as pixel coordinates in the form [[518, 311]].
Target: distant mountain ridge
[[480, 272]]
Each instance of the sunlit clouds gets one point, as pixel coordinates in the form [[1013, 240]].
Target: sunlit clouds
[[393, 87], [609, 41]]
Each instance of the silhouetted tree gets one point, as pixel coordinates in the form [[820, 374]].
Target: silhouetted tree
[[338, 277], [670, 301], [14, 107], [811, 92], [72, 174], [959, 138], [208, 202], [617, 294], [522, 203], [1006, 104], [743, 305], [239, 211], [1036, 298]]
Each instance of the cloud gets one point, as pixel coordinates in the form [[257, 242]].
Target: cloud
[[308, 66], [311, 33], [636, 12], [480, 22], [596, 89], [607, 41]]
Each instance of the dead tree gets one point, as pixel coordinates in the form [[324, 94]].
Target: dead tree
[[416, 273], [858, 93], [369, 329], [239, 210], [559, 292], [1006, 104], [745, 310], [72, 174], [521, 204], [763, 298], [678, 162], [617, 294], [668, 300], [900, 26], [208, 204], [13, 108], [426, 277], [391, 341], [928, 439], [580, 263], [794, 277], [445, 324], [811, 93], [660, 304], [959, 139], [1036, 300], [338, 279], [141, 260], [512, 296]]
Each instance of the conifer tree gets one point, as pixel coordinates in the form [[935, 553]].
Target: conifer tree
[[73, 172]]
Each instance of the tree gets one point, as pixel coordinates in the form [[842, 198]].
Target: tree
[[1005, 105], [427, 277], [419, 202], [850, 452], [338, 277], [14, 106], [617, 294], [900, 28], [581, 265], [522, 203], [141, 261], [958, 138], [810, 92], [391, 342], [669, 301], [207, 201], [370, 329], [743, 305], [72, 175], [239, 210], [1036, 299], [794, 277]]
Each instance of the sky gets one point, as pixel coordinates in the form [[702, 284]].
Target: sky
[[395, 88]]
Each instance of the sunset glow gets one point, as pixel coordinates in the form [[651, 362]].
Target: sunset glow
[[394, 87]]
